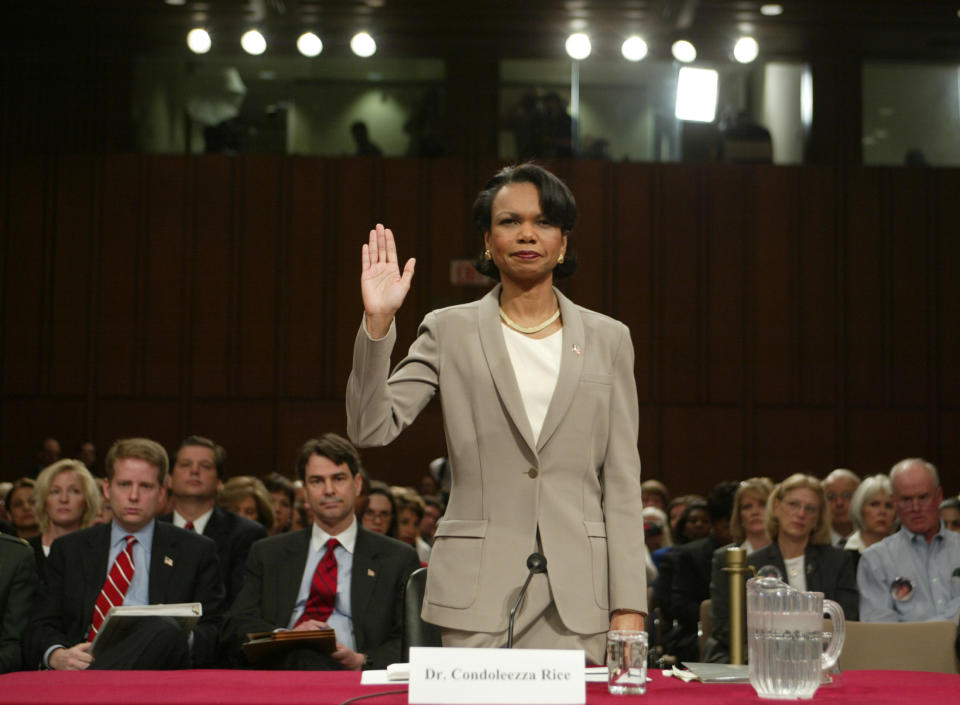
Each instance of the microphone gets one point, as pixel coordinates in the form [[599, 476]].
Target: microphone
[[536, 563]]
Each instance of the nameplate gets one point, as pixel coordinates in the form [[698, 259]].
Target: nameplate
[[496, 676]]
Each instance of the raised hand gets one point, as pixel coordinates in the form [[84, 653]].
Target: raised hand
[[382, 285]]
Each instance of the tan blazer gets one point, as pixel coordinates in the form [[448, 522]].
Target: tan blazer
[[578, 484]]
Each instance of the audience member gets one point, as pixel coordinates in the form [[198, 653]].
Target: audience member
[[20, 505], [66, 498], [247, 496], [950, 513], [872, 512], [5, 488], [409, 515], [87, 454], [654, 493], [198, 469], [691, 570], [282, 492], [379, 515], [48, 453], [676, 508], [432, 513], [748, 521], [695, 523], [18, 585], [135, 560], [656, 535], [911, 576], [798, 523], [350, 579], [428, 486], [840, 486], [748, 530]]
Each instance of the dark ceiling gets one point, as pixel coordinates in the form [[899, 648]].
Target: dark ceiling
[[907, 29]]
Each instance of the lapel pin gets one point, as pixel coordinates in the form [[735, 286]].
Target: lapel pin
[[167, 560], [576, 349], [370, 573]]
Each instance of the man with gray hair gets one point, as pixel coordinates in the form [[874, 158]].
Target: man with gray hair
[[839, 486], [913, 575]]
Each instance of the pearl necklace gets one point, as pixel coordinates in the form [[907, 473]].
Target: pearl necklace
[[531, 329]]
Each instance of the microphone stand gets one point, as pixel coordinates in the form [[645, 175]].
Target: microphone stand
[[536, 563]]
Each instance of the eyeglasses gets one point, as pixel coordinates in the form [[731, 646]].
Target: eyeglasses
[[796, 506], [922, 501]]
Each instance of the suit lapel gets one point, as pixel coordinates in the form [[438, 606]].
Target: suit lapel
[[498, 361], [571, 365], [366, 566], [95, 567], [290, 574], [163, 556]]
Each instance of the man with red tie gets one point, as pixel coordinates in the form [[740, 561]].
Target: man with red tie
[[134, 560], [332, 574]]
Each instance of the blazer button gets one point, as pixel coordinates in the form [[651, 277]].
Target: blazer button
[[532, 473]]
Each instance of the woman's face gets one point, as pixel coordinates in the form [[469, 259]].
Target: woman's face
[[282, 510], [524, 246], [951, 517], [878, 514], [408, 526], [753, 514], [698, 524], [247, 507], [798, 513], [377, 515], [21, 512], [66, 502]]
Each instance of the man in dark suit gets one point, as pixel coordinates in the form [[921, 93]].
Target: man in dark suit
[[18, 584], [195, 479], [285, 575], [134, 560]]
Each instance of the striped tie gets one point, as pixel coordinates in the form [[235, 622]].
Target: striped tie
[[323, 587], [114, 587]]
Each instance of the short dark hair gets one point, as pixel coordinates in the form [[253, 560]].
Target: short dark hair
[[720, 500], [219, 452], [381, 489], [275, 482], [556, 202], [333, 447]]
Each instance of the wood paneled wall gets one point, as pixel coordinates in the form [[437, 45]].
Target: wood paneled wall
[[784, 319]]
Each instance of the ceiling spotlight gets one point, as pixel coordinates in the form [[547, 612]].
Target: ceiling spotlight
[[746, 50], [771, 9], [578, 46], [198, 40], [309, 44], [363, 45], [634, 48], [253, 42], [683, 51]]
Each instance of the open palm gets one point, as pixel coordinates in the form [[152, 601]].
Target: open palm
[[382, 285]]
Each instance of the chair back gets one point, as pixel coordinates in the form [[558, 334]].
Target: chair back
[[900, 646], [416, 632]]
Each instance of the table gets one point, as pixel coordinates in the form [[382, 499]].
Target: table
[[215, 687]]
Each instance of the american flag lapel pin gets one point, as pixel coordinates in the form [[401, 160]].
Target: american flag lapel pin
[[370, 573], [576, 349], [167, 560]]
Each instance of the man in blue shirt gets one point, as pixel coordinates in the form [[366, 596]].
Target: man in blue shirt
[[292, 583], [913, 575], [134, 560]]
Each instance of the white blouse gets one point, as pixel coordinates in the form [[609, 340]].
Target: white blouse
[[536, 364]]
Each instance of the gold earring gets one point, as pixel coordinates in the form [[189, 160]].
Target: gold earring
[[487, 255], [560, 259]]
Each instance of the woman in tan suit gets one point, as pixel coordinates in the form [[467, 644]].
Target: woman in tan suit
[[540, 416]]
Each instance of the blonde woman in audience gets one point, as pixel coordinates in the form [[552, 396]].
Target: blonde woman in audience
[[748, 523], [872, 512], [798, 522], [66, 498], [248, 497], [20, 506]]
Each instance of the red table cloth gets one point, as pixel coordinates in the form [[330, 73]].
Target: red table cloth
[[213, 687]]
